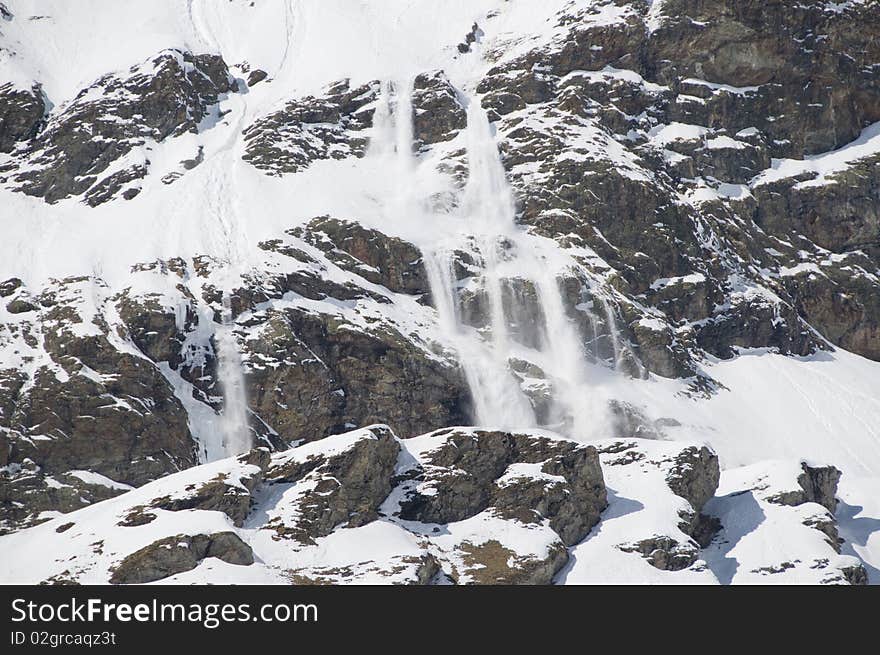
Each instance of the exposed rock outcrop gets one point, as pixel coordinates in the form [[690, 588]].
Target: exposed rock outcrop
[[818, 484], [172, 555], [21, 113], [519, 476], [685, 472], [104, 127], [438, 114], [312, 128], [670, 181], [389, 261], [343, 488], [462, 506]]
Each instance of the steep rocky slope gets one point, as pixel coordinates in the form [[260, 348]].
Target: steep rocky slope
[[456, 506], [611, 219]]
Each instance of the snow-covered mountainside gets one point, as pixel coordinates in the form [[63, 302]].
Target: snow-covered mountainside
[[572, 291]]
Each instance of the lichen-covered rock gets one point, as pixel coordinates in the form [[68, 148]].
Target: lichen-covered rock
[[330, 126], [464, 472], [103, 127], [21, 113], [172, 555], [342, 481], [389, 261], [491, 563]]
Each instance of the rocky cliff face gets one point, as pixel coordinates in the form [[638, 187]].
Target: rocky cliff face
[[454, 506], [698, 179], [99, 144], [688, 176]]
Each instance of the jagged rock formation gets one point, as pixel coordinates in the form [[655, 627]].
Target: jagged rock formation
[[670, 182], [114, 119], [438, 114], [22, 112], [699, 181], [387, 261], [459, 505], [311, 129], [127, 369], [77, 400], [781, 500]]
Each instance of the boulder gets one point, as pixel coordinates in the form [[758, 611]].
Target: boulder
[[172, 555], [389, 261], [519, 476]]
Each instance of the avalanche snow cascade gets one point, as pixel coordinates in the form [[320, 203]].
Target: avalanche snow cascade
[[234, 424], [523, 328], [658, 208]]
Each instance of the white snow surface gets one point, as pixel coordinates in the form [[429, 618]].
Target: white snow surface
[[824, 407]]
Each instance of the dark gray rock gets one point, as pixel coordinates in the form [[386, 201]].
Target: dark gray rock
[[83, 410], [22, 112], [162, 98], [312, 128], [694, 476], [756, 323], [841, 302], [856, 575], [389, 261], [332, 376], [26, 492], [233, 497], [437, 112], [464, 469], [10, 286], [173, 555], [840, 215], [343, 488], [786, 94], [470, 38], [256, 76], [819, 484], [21, 306], [664, 553]]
